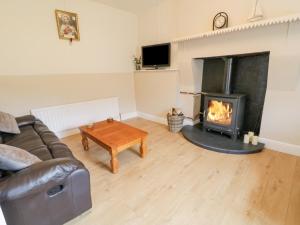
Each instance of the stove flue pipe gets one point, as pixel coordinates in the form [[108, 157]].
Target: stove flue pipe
[[227, 75]]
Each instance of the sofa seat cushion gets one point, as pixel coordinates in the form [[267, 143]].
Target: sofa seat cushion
[[41, 152], [29, 140], [60, 150]]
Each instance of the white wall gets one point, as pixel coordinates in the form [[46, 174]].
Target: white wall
[[30, 47], [156, 92], [19, 94], [196, 16], [158, 23], [193, 16], [175, 18]]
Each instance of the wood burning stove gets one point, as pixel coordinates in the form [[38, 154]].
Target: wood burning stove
[[224, 112]]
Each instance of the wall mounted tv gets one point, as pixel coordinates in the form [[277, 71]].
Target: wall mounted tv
[[156, 56]]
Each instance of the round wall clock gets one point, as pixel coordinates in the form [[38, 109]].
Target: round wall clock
[[220, 21]]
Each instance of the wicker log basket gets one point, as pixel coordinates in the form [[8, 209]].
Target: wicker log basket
[[175, 120]]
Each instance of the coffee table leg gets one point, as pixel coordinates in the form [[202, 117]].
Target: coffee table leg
[[114, 161], [143, 148], [85, 142]]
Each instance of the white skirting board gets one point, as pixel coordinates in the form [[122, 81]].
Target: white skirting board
[[281, 146], [270, 144], [164, 121], [127, 116], [153, 118]]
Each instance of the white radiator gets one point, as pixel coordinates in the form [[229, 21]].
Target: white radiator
[[64, 120]]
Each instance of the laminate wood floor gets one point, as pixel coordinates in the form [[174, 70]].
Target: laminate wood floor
[[179, 183]]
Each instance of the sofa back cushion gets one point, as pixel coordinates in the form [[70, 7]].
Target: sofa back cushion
[[25, 120], [37, 139], [30, 141], [55, 146]]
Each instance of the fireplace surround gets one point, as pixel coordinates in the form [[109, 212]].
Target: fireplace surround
[[233, 93]]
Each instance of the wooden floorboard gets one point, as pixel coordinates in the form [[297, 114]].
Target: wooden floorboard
[[293, 211], [179, 183]]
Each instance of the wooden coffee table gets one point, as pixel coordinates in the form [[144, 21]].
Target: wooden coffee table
[[115, 137]]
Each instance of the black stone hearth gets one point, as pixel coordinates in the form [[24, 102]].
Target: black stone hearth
[[215, 142]]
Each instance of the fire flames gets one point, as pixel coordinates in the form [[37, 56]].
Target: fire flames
[[219, 112]]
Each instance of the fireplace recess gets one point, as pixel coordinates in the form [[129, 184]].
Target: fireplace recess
[[223, 111]]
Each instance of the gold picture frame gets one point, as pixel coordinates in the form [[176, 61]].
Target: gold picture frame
[[67, 25]]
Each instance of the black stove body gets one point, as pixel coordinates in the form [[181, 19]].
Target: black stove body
[[224, 112]]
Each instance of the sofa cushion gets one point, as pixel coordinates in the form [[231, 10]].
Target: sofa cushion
[[48, 137], [36, 138], [60, 150], [14, 159], [42, 152], [55, 146], [39, 127], [25, 120], [29, 140], [8, 123]]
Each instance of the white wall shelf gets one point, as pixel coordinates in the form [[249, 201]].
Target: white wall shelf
[[247, 26]]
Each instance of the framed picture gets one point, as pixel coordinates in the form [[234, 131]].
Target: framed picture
[[67, 25]]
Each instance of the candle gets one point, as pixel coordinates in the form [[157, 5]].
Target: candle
[[246, 139], [254, 140], [250, 134]]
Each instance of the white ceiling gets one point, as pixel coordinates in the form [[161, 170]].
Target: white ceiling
[[134, 6]]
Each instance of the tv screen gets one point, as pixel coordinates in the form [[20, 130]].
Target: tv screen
[[156, 55]]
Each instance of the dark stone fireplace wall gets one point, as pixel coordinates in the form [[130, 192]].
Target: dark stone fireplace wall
[[249, 77]]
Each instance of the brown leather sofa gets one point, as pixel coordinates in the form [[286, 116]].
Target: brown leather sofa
[[51, 192]]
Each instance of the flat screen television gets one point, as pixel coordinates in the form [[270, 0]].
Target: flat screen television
[[155, 56]]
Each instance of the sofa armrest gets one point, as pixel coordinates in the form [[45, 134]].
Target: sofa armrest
[[37, 178], [25, 120]]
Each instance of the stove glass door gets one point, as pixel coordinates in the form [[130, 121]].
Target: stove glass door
[[219, 112]]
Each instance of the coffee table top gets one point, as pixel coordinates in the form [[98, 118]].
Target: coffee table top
[[113, 134]]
